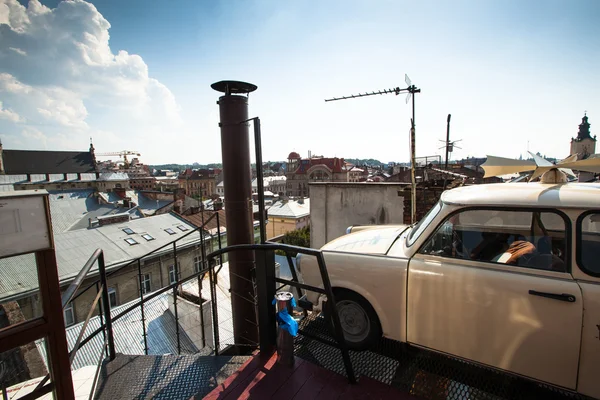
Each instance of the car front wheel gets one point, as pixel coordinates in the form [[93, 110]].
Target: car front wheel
[[358, 319]]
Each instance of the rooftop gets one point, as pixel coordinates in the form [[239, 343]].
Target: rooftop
[[567, 195], [47, 162], [290, 209]]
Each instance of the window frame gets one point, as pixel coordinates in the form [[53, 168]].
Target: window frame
[[144, 280], [578, 233], [131, 231], [112, 290], [562, 214], [131, 241], [183, 228], [172, 232], [70, 307], [197, 263], [146, 238], [172, 273], [410, 238]]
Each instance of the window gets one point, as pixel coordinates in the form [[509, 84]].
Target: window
[[197, 264], [69, 314], [146, 284], [172, 274], [424, 223], [131, 241], [588, 243], [183, 228], [170, 231], [112, 297], [128, 231], [147, 237], [529, 239]]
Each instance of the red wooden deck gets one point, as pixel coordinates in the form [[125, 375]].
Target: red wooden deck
[[263, 378]]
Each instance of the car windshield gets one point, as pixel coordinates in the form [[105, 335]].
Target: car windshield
[[423, 223]]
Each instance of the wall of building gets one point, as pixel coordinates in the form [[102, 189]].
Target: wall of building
[[190, 322], [280, 225], [336, 206]]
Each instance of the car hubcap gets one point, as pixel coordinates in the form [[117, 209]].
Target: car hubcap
[[354, 319]]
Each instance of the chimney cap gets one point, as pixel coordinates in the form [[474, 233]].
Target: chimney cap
[[233, 87]]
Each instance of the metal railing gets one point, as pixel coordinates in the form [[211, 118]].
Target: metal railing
[[101, 300]]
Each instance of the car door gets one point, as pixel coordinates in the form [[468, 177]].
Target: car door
[[492, 287]]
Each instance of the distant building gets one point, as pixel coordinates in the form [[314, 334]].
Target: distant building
[[584, 144], [199, 182], [287, 215], [301, 171], [55, 170]]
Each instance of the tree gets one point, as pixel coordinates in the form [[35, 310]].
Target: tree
[[299, 237]]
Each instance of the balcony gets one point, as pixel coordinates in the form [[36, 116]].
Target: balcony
[[177, 342]]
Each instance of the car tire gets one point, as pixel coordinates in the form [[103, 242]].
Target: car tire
[[358, 318]]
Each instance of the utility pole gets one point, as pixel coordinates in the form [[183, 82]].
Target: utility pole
[[447, 141]]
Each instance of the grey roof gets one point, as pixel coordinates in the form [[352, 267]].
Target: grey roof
[[145, 204], [73, 249], [113, 176], [47, 162], [128, 333], [70, 210], [289, 209]]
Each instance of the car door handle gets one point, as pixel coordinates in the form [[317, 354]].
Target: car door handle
[[562, 297]]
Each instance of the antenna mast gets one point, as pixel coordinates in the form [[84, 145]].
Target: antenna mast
[[410, 90]]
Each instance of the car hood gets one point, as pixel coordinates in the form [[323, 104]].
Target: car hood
[[370, 241]]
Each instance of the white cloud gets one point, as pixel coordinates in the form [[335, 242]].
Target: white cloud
[[57, 70], [18, 51], [7, 113]]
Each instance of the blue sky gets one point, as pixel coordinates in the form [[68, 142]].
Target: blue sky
[[509, 72]]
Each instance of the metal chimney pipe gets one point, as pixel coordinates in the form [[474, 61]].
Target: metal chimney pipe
[[237, 182]]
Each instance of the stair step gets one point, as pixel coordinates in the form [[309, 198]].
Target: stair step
[[164, 376]]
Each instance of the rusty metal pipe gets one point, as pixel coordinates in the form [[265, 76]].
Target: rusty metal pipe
[[237, 178]]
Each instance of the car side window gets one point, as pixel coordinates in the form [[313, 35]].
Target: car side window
[[588, 244], [529, 239]]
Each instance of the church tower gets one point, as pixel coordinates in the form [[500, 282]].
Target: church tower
[[584, 144]]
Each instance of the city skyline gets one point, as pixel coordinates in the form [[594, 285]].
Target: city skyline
[[137, 76]]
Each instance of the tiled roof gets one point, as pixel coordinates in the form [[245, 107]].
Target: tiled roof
[[196, 220], [289, 209], [47, 162], [333, 163]]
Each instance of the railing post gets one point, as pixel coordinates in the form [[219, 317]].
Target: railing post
[[337, 325], [219, 241], [139, 263], [176, 269], [100, 314], [213, 300], [265, 287], [106, 307], [200, 279]]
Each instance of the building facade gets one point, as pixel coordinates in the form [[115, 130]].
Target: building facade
[[302, 171], [200, 182], [584, 144], [286, 216]]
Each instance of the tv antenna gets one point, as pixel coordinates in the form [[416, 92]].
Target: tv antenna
[[410, 90]]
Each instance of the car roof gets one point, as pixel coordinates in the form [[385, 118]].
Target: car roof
[[563, 195]]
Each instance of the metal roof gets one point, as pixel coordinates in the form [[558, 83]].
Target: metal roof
[[73, 249], [128, 333], [290, 209], [566, 195], [47, 162], [71, 210]]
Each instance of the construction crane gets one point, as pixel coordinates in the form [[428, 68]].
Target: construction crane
[[123, 153]]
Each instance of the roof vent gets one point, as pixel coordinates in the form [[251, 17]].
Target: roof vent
[[554, 176]]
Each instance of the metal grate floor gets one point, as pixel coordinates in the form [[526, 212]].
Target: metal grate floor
[[164, 376], [421, 373]]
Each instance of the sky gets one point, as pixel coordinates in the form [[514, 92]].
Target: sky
[[136, 75]]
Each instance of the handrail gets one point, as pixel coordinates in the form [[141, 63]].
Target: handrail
[[68, 295]]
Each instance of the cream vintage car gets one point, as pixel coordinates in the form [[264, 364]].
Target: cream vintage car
[[505, 275]]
